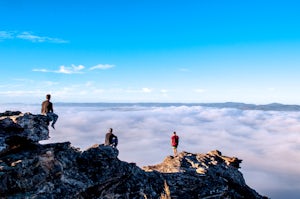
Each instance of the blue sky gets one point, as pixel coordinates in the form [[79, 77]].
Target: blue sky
[[150, 51]]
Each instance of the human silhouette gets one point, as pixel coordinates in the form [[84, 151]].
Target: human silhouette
[[111, 139], [47, 109], [174, 142]]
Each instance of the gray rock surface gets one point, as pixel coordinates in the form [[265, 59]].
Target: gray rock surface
[[18, 128], [31, 170]]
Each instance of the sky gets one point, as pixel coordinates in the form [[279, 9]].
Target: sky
[[267, 142], [150, 51]]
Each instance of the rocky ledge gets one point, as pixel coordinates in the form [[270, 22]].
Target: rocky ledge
[[32, 170]]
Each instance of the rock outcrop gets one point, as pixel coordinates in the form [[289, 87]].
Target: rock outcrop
[[32, 170], [18, 129]]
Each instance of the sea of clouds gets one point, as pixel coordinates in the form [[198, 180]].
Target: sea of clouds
[[267, 141]]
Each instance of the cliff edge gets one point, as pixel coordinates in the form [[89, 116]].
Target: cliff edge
[[32, 170]]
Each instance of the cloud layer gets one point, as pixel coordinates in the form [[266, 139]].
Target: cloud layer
[[268, 142]]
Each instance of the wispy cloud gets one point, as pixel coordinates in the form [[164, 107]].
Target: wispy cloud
[[133, 90], [36, 38], [21, 93], [102, 66], [73, 69], [147, 90], [23, 80], [70, 70], [42, 70], [199, 90], [6, 35], [63, 69], [29, 36]]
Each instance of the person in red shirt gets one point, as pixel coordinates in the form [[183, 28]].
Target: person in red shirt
[[174, 142]]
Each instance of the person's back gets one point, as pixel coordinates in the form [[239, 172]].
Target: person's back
[[108, 137], [111, 139], [47, 109], [174, 142]]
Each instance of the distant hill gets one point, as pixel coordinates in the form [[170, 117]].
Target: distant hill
[[243, 106]]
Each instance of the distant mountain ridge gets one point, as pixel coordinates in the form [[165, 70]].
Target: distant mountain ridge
[[243, 106], [236, 105]]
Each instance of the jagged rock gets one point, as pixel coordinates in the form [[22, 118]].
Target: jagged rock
[[10, 113], [17, 129], [203, 175], [59, 170]]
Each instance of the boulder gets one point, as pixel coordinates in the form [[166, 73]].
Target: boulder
[[18, 129]]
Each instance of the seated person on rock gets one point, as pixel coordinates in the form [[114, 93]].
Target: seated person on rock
[[47, 109], [111, 139]]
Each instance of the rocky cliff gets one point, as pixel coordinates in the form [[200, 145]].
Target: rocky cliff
[[32, 170]]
